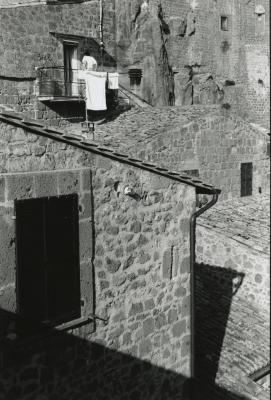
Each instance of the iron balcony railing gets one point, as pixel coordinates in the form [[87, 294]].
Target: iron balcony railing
[[55, 82]]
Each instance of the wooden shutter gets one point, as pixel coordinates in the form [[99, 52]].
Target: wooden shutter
[[63, 272], [48, 269], [246, 179], [31, 257]]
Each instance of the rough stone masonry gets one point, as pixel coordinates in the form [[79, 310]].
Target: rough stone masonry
[[138, 248]]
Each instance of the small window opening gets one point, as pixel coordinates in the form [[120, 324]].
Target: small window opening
[[135, 76], [246, 179], [224, 23]]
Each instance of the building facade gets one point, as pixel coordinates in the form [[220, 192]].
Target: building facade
[[167, 52], [95, 270]]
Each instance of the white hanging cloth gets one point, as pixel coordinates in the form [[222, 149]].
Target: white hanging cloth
[[113, 80], [95, 90]]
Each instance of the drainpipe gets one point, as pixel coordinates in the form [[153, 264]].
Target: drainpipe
[[101, 32], [192, 276]]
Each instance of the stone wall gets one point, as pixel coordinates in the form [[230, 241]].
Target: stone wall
[[185, 56], [220, 251], [35, 185], [37, 44], [235, 58], [141, 258], [215, 146], [210, 65], [141, 44]]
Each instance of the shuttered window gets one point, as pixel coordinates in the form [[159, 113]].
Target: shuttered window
[[48, 268], [246, 179]]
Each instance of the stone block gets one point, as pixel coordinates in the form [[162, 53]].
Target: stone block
[[145, 347], [149, 304], [160, 321], [167, 264], [85, 239], [185, 265], [85, 206], [186, 347], [172, 316], [185, 226], [136, 308], [112, 265], [68, 182], [180, 292], [119, 316], [45, 184], [186, 306], [86, 177], [128, 262], [179, 328], [158, 182], [148, 327], [20, 186]]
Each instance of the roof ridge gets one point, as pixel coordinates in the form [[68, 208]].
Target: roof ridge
[[86, 145]]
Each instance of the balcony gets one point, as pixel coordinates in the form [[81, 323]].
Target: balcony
[[59, 84]]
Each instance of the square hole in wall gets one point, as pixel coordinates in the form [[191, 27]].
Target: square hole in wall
[[224, 23]]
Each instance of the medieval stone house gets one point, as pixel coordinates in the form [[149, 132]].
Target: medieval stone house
[[203, 141], [95, 270]]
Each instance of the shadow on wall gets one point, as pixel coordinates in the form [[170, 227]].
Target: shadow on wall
[[215, 288], [61, 366]]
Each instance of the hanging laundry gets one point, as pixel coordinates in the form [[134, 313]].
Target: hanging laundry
[[81, 74], [113, 80], [95, 90]]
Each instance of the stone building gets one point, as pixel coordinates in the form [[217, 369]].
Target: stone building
[[169, 52], [205, 141], [95, 270], [41, 49], [233, 286]]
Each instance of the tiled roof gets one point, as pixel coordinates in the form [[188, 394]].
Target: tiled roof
[[92, 147], [232, 340], [245, 219], [135, 126]]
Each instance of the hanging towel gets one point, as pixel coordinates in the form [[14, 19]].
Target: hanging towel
[[81, 74], [95, 90], [113, 80]]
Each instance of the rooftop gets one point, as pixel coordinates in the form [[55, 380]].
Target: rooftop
[[245, 219], [233, 342], [137, 125], [77, 141], [126, 130]]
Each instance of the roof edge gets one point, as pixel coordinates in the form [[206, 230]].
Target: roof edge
[[76, 141]]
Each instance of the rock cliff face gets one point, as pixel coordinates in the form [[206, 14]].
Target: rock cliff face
[[197, 52], [141, 44]]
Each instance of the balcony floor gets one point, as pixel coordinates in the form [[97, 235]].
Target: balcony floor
[[60, 98]]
